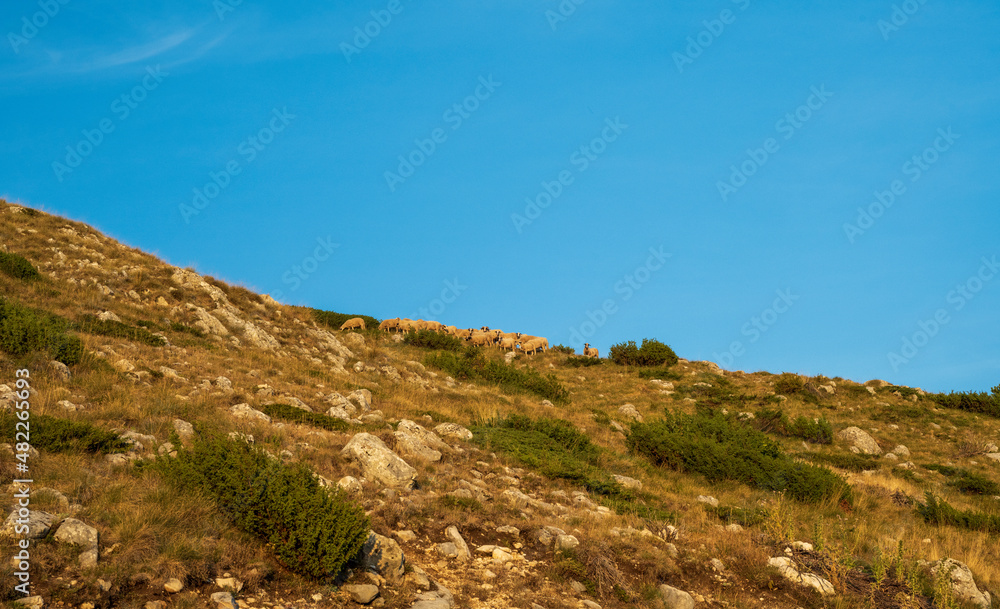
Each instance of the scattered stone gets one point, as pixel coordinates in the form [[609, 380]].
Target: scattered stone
[[456, 538], [378, 462], [509, 530], [589, 604], [361, 397], [788, 570], [224, 600], [628, 482], [566, 542], [802, 546], [108, 316], [859, 439], [405, 536], [448, 549], [712, 501], [39, 524], [31, 602], [184, 429], [383, 556], [453, 430], [629, 411], [68, 406], [717, 565], [229, 583], [173, 585], [244, 411], [413, 446], [962, 582], [674, 598], [363, 593], [61, 370]]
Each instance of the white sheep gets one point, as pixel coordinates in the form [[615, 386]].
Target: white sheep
[[354, 322], [588, 352]]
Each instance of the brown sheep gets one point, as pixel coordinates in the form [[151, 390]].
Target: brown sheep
[[389, 325], [588, 352], [354, 322]]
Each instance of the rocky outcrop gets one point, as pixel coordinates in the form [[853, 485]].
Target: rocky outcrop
[[789, 571], [963, 585], [383, 556], [860, 441], [378, 462]]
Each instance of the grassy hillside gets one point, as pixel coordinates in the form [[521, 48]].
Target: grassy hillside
[[147, 345]]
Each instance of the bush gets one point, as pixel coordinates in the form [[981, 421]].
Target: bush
[[848, 461], [966, 481], [788, 384], [563, 349], [24, 331], [429, 339], [472, 364], [335, 320], [722, 448], [18, 267], [56, 435], [287, 412], [972, 401], [746, 517], [775, 421], [311, 530], [92, 325], [179, 327], [583, 362], [651, 353], [938, 511]]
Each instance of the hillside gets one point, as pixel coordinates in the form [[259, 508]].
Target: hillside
[[173, 453]]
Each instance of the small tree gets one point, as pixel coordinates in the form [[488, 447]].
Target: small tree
[[651, 353]]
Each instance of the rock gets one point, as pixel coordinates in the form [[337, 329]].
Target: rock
[[628, 411], [73, 531], [184, 429], [789, 571], [628, 482], [363, 594], [378, 462], [577, 587], [224, 600], [68, 406], [566, 542], [802, 546], [108, 316], [418, 578], [405, 536], [717, 565], [361, 397], [155, 605], [338, 413], [244, 411], [453, 430], [413, 446], [676, 599], [712, 501], [962, 582], [224, 384], [501, 555], [859, 439], [383, 556], [448, 549], [509, 530], [123, 365], [229, 583], [39, 524], [60, 370], [589, 604], [993, 456], [901, 451], [173, 585], [427, 436], [456, 538], [31, 602], [734, 528]]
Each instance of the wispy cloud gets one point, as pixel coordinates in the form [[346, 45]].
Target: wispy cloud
[[138, 53]]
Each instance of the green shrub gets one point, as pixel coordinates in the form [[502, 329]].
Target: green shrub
[[972, 401], [24, 331], [18, 267], [651, 353], [583, 362], [116, 329], [848, 461], [311, 530], [966, 481], [297, 415], [659, 373], [722, 448], [429, 339], [771, 420], [472, 364], [938, 511], [746, 517], [335, 320], [788, 384], [179, 327], [57, 435], [563, 349]]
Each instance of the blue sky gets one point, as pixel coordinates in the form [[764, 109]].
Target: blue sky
[[600, 172]]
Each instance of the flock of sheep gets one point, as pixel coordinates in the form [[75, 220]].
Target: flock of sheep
[[508, 341]]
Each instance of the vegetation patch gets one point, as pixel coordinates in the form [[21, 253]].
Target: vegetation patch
[[335, 320], [938, 511], [563, 349], [972, 401], [18, 267], [848, 461], [772, 420], [720, 447], [311, 530], [651, 353], [583, 362], [966, 481], [179, 327], [24, 331], [430, 339], [57, 435], [116, 329], [287, 412], [747, 517], [472, 364], [557, 449]]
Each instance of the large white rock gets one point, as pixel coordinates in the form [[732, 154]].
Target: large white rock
[[674, 598], [378, 462], [428, 437], [38, 523], [453, 430], [962, 582], [859, 438], [244, 411], [383, 556], [413, 446], [788, 570]]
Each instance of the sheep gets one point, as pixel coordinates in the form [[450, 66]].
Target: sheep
[[508, 343], [354, 322], [588, 352], [450, 330], [481, 338], [389, 324], [405, 325], [534, 346]]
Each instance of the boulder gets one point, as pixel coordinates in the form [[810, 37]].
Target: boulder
[[413, 446], [629, 412], [428, 437], [363, 593], [184, 429], [361, 397], [566, 542], [60, 370], [39, 524], [859, 439], [244, 411], [789, 571], [224, 600], [628, 482], [383, 556], [962, 583], [453, 430], [674, 598], [456, 538], [378, 462], [173, 585]]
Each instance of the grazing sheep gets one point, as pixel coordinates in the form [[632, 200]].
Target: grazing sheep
[[534, 346], [354, 322], [481, 338], [389, 325], [451, 330], [508, 343], [405, 325], [588, 352], [484, 329]]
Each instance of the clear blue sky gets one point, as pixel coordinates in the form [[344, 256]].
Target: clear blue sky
[[733, 139]]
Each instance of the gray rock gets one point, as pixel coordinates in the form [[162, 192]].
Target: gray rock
[[413, 446], [962, 582], [350, 484], [363, 593], [61, 370], [383, 556], [224, 600], [566, 542], [361, 397], [712, 501], [628, 482], [184, 429], [427, 436], [244, 411], [789, 571], [39, 524], [674, 598], [448, 550], [859, 439], [577, 587], [173, 585], [628, 411], [378, 462], [224, 384], [456, 538], [453, 430]]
